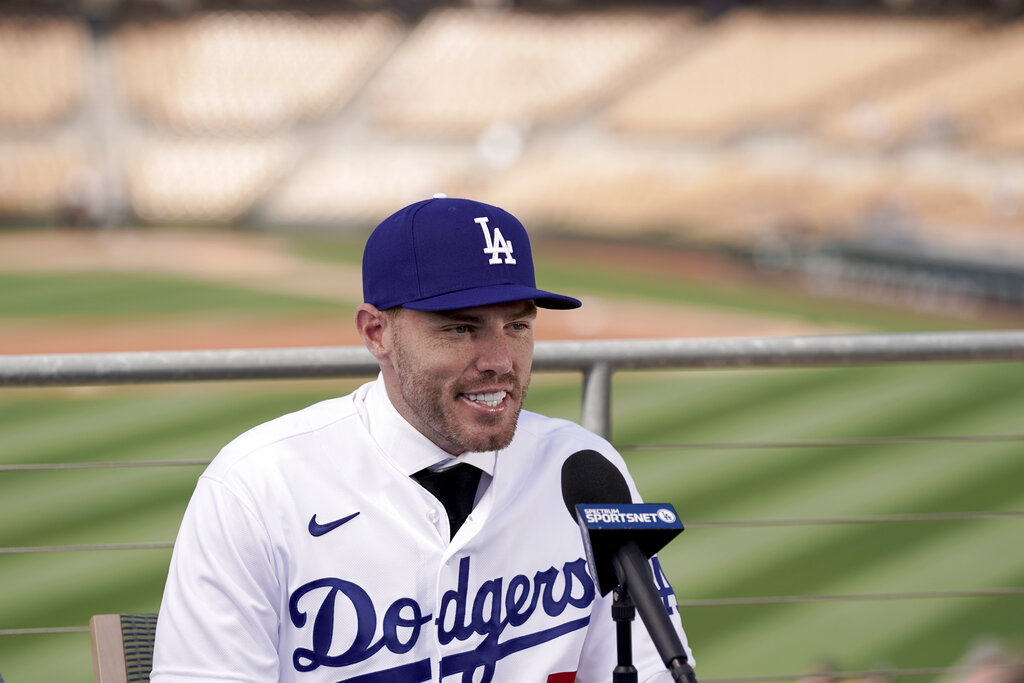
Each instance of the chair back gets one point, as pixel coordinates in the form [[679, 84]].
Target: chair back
[[122, 647]]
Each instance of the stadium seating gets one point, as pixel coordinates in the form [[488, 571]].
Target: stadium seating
[[41, 179], [462, 69], [1005, 136], [357, 186], [623, 121], [756, 71], [42, 64], [599, 189], [202, 180], [247, 72], [963, 215], [959, 93], [45, 171]]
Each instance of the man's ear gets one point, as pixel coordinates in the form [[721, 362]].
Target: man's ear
[[371, 323]]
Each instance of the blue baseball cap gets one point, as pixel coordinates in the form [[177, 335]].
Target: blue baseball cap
[[443, 254]]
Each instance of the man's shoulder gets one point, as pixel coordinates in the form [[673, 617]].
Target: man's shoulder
[[289, 433], [542, 445], [543, 433], [534, 420]]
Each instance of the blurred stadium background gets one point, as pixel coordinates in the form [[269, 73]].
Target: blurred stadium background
[[714, 168], [897, 131]]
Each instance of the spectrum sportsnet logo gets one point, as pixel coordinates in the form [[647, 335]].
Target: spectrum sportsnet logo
[[499, 603], [627, 514]]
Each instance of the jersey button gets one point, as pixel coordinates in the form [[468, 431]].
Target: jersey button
[[433, 515]]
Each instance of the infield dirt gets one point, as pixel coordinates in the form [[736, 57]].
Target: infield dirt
[[266, 263]]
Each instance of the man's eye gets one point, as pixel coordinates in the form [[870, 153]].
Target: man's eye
[[460, 329]]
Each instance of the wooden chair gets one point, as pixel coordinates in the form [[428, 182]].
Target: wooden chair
[[122, 647]]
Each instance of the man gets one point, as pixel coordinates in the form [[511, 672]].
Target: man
[[318, 546]]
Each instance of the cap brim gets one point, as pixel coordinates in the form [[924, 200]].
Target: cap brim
[[493, 294]]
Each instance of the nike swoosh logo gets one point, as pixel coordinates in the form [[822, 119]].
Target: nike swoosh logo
[[316, 529]]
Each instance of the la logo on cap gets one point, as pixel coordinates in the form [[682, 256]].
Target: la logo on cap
[[497, 245], [408, 259]]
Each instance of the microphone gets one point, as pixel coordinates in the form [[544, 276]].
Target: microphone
[[594, 491]]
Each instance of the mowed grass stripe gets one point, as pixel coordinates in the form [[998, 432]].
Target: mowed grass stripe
[[63, 589], [138, 295], [69, 588], [698, 406], [779, 405], [870, 406], [855, 633], [796, 414], [555, 395], [175, 427], [965, 624], [110, 506], [683, 477], [695, 407], [848, 551], [65, 657], [792, 475], [856, 480], [25, 409], [958, 410], [717, 556], [714, 560], [103, 428], [76, 508], [123, 425]]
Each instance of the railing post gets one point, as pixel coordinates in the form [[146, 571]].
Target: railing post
[[597, 404]]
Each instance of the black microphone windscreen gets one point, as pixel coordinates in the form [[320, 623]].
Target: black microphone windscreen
[[589, 477]]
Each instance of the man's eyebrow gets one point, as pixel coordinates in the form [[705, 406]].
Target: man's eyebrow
[[529, 309]]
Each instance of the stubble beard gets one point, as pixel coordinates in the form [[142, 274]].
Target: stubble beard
[[428, 401]]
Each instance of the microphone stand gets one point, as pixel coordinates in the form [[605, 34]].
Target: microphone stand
[[623, 613], [632, 563]]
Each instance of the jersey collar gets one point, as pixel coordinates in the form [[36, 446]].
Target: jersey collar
[[403, 444]]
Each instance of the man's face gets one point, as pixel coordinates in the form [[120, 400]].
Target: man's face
[[461, 376]]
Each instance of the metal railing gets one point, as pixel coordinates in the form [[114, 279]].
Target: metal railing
[[597, 361]]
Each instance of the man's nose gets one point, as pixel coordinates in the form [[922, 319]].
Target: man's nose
[[494, 354]]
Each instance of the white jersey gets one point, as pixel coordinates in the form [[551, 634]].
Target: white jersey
[[308, 554]]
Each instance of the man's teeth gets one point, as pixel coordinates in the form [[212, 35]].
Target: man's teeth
[[492, 400]]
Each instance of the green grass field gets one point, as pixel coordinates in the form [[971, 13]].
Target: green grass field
[[706, 484]]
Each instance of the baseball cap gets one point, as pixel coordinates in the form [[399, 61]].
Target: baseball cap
[[443, 254]]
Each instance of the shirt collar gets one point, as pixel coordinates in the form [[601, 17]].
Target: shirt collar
[[404, 445]]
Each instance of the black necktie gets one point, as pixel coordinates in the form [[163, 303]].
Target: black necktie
[[455, 487]]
